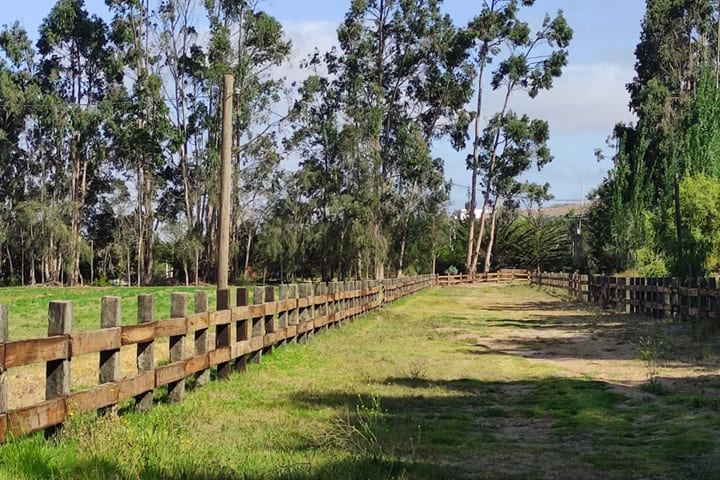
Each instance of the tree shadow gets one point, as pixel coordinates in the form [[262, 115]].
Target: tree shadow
[[550, 425]]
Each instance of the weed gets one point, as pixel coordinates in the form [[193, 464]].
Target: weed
[[653, 349], [417, 368], [653, 386], [705, 355]]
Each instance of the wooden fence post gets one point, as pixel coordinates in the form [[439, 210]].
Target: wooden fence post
[[304, 312], [222, 332], [57, 372], [243, 329], [145, 350], [352, 303], [282, 320], [258, 323], [321, 310], [110, 317], [178, 309], [293, 316], [333, 305], [202, 339], [270, 320], [710, 286], [4, 337], [666, 299]]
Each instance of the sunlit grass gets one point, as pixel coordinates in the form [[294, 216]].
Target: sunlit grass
[[408, 392]]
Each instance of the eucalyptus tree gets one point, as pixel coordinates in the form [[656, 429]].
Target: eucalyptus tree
[[511, 144], [496, 24], [406, 76], [250, 44], [73, 59], [140, 129], [532, 63]]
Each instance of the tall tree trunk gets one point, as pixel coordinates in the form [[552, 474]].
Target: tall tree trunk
[[475, 167], [490, 181], [491, 240], [248, 244], [197, 267], [140, 227], [148, 267]]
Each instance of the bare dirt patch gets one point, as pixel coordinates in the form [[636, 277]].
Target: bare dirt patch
[[620, 349]]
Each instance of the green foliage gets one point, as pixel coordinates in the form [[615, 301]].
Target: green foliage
[[643, 217], [451, 270], [534, 243], [700, 219]]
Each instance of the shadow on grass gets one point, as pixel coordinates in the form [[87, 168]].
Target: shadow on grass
[[565, 424], [36, 462]]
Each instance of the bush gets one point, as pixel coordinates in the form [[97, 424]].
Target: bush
[[451, 270]]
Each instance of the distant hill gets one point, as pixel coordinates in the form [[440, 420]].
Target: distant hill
[[560, 210]]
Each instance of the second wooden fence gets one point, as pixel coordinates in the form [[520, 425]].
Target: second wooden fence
[[659, 297]]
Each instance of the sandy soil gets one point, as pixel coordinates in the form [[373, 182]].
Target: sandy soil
[[623, 350]]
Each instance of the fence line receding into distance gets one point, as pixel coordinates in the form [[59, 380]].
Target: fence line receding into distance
[[684, 298], [242, 333]]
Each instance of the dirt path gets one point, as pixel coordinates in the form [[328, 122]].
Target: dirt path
[[583, 340]]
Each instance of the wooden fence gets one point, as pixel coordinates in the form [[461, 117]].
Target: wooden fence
[[506, 275], [684, 298], [242, 333]]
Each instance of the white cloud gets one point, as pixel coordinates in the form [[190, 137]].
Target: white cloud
[[587, 96], [306, 37]]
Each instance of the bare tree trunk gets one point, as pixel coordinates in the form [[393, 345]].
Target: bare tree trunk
[[197, 267], [490, 178], [140, 228], [491, 240], [475, 167], [148, 267], [400, 260], [248, 244], [92, 262]]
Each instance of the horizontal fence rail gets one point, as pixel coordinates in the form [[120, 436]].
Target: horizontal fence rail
[[683, 298], [242, 333], [507, 275]]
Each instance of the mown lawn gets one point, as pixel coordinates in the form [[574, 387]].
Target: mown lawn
[[403, 393], [28, 307]]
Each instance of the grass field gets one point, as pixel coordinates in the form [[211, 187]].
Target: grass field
[[28, 307], [452, 383]]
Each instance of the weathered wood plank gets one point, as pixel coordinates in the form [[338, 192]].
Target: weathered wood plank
[[171, 328], [36, 350], [240, 348], [220, 317], [37, 417], [241, 313], [95, 341], [170, 373], [142, 333], [196, 364], [219, 355], [198, 321], [93, 399], [133, 387]]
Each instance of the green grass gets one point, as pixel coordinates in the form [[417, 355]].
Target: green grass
[[28, 307], [402, 393]]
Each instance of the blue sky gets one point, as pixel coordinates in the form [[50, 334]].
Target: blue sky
[[582, 108]]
